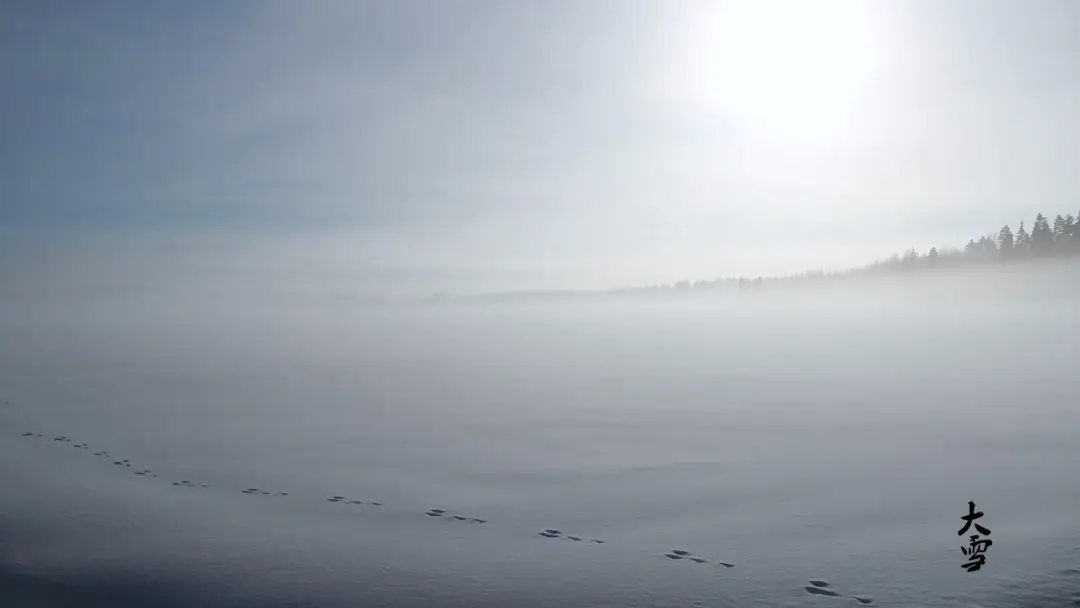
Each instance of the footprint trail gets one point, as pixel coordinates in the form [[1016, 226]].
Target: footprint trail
[[816, 587]]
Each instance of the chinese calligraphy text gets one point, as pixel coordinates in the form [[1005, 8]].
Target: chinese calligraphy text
[[976, 550]]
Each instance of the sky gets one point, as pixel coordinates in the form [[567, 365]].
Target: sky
[[411, 147]]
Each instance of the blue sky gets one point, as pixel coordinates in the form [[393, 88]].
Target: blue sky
[[469, 145]]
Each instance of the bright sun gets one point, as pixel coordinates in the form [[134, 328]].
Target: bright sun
[[793, 67]]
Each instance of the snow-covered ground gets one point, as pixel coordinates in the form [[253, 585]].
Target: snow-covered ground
[[835, 438]]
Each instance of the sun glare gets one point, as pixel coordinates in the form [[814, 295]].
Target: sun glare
[[796, 67]]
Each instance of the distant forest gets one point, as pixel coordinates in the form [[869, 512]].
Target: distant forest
[[1058, 239]]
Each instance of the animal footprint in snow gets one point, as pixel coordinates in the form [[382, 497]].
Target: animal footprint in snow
[[349, 501], [263, 492], [553, 533], [822, 587], [681, 554], [443, 513]]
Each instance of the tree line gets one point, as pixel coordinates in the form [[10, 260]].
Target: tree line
[[1045, 239]]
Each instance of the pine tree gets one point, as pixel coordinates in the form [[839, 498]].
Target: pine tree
[[911, 260], [1061, 235], [1022, 246], [1076, 235], [972, 249], [1072, 235], [1005, 243], [1042, 238]]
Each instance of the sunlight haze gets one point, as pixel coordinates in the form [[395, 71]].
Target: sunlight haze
[[539, 303], [415, 147]]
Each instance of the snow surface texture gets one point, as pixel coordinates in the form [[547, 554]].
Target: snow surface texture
[[760, 454]]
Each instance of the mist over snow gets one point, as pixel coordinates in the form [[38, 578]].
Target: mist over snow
[[493, 303], [835, 435]]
